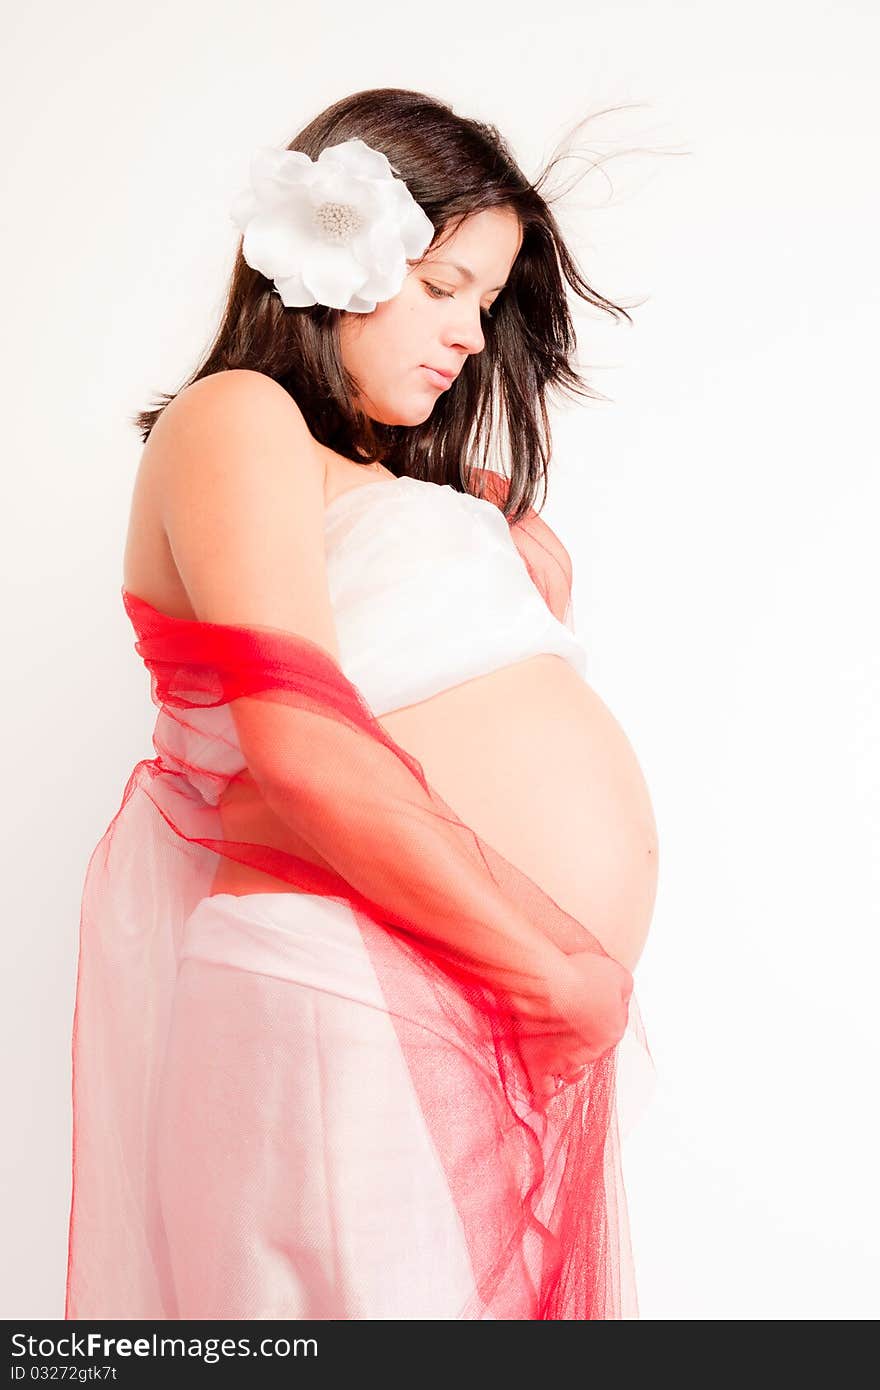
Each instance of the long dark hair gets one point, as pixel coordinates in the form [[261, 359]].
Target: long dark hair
[[454, 167]]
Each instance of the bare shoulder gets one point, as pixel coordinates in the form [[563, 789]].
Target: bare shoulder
[[239, 495], [237, 398], [238, 430], [237, 382]]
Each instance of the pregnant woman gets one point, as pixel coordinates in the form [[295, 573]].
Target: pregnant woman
[[354, 1000]]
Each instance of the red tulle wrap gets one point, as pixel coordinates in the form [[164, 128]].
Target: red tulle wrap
[[338, 810]]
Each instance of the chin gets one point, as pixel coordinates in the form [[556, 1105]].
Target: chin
[[411, 412]]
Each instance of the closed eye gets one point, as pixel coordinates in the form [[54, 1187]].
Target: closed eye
[[438, 293]]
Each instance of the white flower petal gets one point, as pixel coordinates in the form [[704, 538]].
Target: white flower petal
[[416, 228], [243, 208], [276, 242], [294, 167], [381, 249], [332, 274], [293, 292], [382, 287], [335, 186], [374, 200], [358, 158], [417, 232], [381, 252], [274, 172], [358, 305]]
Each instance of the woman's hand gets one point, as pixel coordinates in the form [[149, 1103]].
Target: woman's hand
[[584, 1015]]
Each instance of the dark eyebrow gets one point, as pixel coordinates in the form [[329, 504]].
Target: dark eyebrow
[[467, 273]]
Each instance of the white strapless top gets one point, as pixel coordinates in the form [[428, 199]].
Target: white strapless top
[[428, 590]]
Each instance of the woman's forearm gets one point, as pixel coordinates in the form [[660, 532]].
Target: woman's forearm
[[386, 838]]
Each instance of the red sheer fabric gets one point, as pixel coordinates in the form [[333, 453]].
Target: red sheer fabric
[[204, 1093]]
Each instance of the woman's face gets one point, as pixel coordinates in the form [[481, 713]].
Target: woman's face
[[435, 320]]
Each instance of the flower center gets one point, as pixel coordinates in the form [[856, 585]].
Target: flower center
[[336, 221]]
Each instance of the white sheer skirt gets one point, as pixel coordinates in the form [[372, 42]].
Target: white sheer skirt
[[295, 1173]]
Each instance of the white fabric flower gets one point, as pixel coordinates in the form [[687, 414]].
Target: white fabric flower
[[337, 230]]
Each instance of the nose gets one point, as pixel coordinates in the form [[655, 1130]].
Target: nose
[[466, 332]]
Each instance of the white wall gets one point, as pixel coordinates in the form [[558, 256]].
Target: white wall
[[721, 512]]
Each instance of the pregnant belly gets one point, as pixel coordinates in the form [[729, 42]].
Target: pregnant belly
[[535, 763]]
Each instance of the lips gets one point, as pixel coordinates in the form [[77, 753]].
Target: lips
[[438, 376]]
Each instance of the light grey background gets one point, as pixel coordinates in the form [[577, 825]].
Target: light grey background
[[721, 512]]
